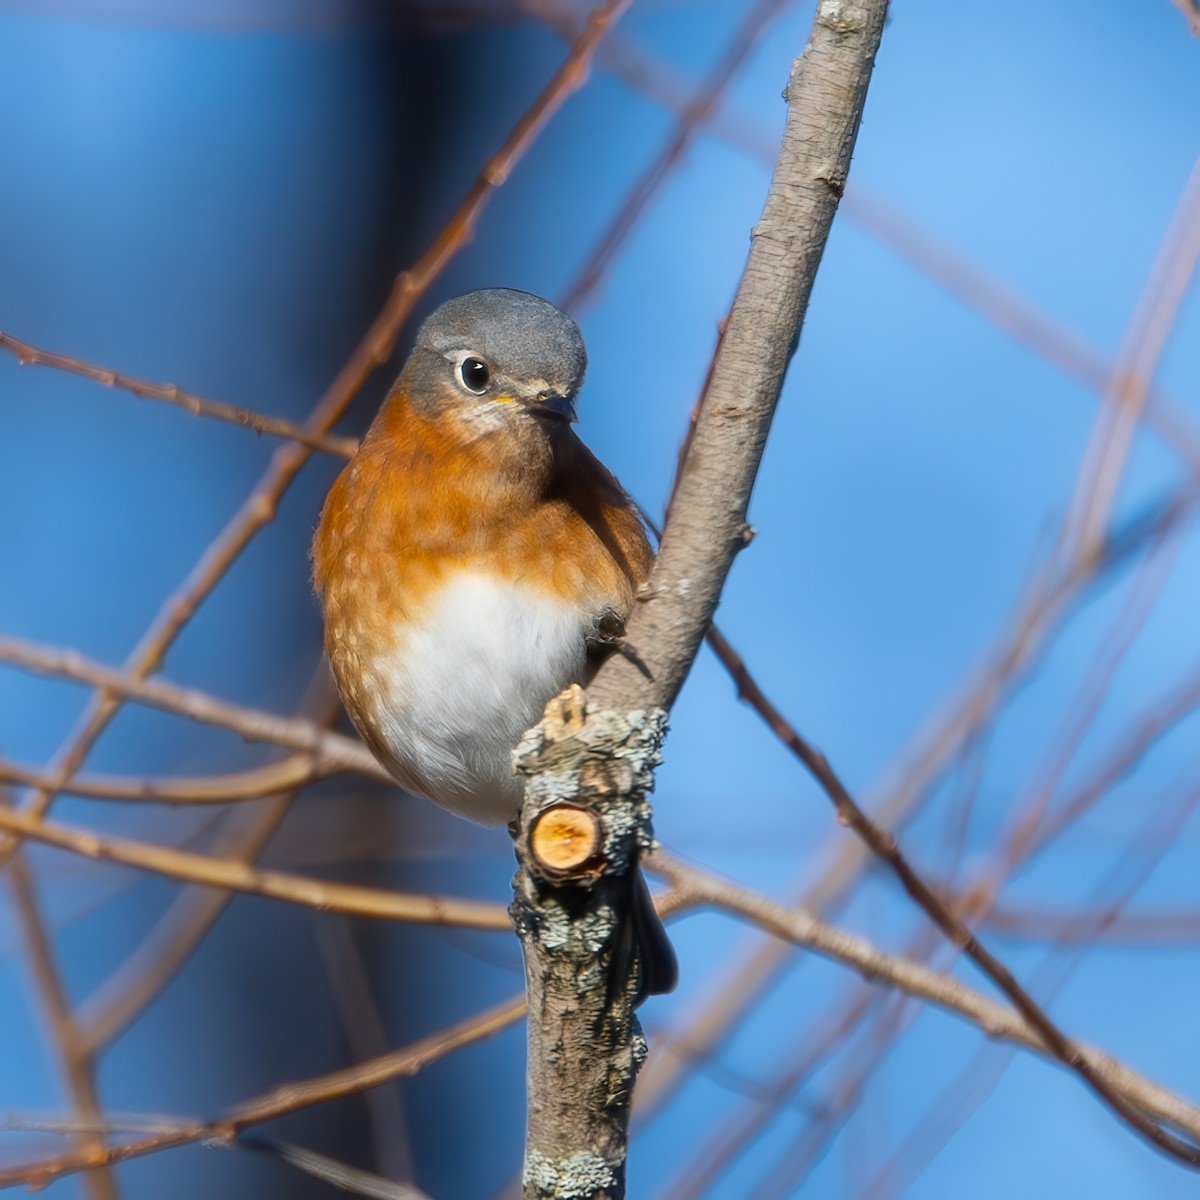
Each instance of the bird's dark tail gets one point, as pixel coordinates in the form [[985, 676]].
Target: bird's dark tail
[[648, 950]]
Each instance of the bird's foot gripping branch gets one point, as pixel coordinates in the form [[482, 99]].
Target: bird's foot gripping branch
[[584, 824]]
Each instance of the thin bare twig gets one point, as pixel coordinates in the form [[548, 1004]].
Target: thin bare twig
[[234, 876], [217, 410], [1145, 591], [973, 901], [1014, 314], [976, 900], [791, 1172], [694, 114], [976, 1083], [330, 1170], [1182, 700], [691, 887], [364, 1031], [279, 1101], [720, 1153], [74, 1060], [132, 986], [1175, 927], [293, 771], [884, 846], [1128, 390], [331, 752], [1190, 10]]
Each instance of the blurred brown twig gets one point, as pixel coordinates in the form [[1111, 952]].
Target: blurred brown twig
[[236, 876], [169, 393]]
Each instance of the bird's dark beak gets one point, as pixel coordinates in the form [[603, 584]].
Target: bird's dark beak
[[554, 407]]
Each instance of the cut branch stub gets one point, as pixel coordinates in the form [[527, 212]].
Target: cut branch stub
[[585, 810], [564, 842], [584, 824]]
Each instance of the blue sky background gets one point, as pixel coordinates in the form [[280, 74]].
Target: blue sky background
[[220, 199]]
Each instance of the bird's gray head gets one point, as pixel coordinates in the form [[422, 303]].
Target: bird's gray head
[[498, 356]]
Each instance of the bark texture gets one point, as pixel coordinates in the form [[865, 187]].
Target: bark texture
[[585, 1045]]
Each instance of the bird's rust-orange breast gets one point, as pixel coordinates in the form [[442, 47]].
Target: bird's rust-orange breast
[[428, 495]]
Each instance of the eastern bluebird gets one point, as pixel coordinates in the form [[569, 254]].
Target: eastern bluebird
[[474, 559]]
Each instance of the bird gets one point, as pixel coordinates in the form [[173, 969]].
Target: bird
[[473, 560]]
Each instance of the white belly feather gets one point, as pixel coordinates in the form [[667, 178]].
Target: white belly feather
[[457, 691]]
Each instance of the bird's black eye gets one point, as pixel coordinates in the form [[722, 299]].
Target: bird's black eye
[[475, 374]]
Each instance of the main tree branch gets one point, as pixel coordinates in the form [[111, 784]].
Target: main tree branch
[[585, 818], [706, 526]]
